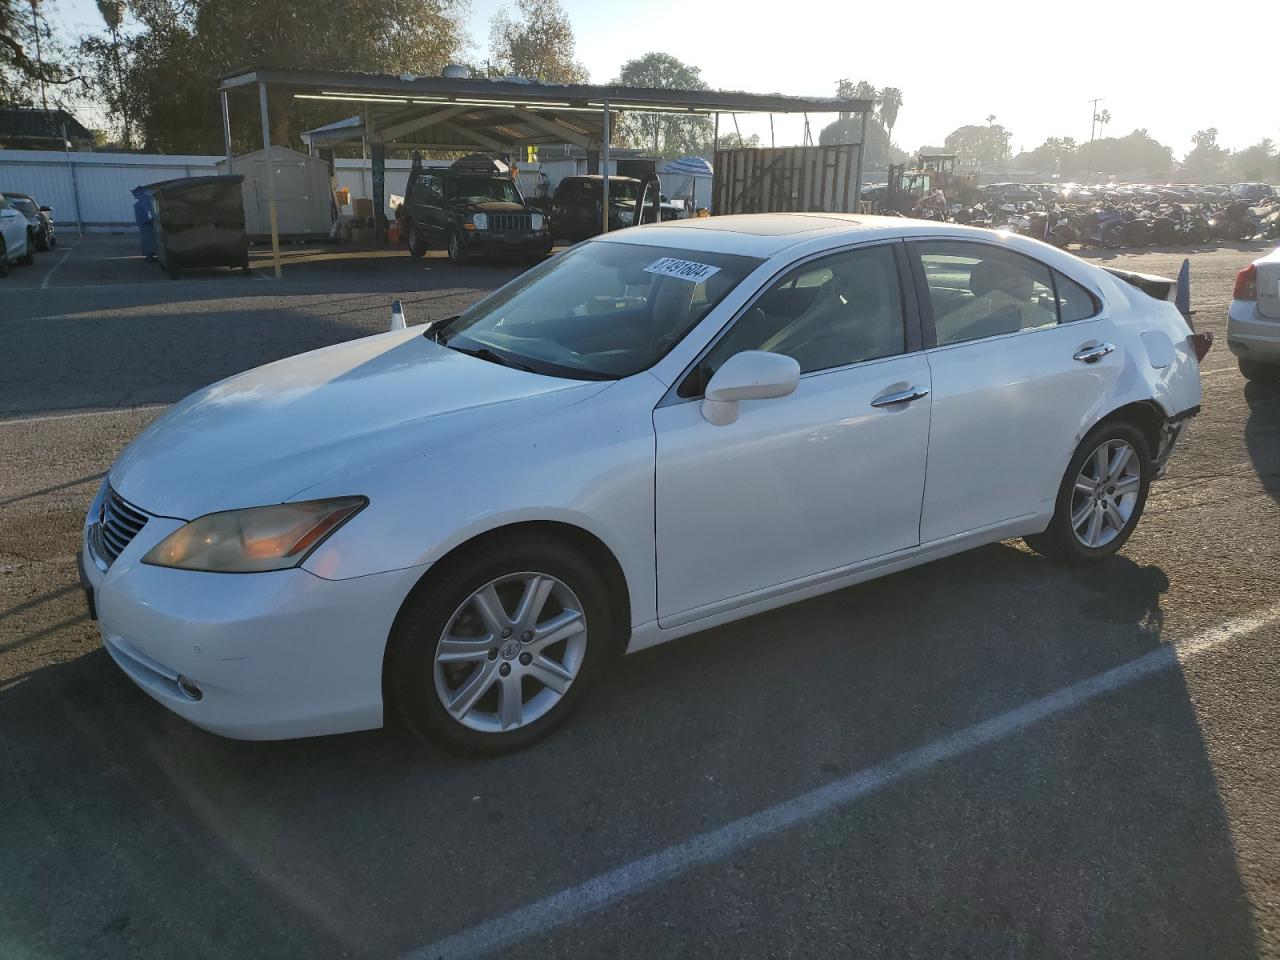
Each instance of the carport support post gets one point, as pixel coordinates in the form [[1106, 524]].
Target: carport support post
[[226, 128], [857, 176], [604, 169], [271, 180]]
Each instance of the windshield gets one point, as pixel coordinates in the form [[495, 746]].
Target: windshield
[[602, 310], [23, 204], [483, 190]]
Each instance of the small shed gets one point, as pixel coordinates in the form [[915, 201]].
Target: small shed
[[304, 198]]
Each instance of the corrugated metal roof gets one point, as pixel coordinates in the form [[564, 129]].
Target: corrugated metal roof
[[32, 123]]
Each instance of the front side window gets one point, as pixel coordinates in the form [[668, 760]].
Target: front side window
[[838, 310], [601, 310], [979, 291]]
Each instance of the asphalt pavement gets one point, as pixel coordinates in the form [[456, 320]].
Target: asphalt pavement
[[989, 756]]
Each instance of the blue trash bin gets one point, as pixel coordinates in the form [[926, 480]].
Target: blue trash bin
[[144, 214]]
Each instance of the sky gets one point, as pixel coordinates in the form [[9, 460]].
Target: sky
[[1035, 66]]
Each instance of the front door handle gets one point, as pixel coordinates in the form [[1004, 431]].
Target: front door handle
[[1093, 352], [900, 396]]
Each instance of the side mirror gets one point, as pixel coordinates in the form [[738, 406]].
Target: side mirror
[[46, 209], [750, 375]]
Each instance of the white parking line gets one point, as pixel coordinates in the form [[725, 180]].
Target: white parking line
[[85, 413], [49, 276], [632, 878]]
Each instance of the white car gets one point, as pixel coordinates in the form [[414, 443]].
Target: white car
[[1253, 319], [661, 430], [16, 243]]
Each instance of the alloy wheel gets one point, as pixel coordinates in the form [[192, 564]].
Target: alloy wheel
[[510, 652], [1105, 493]]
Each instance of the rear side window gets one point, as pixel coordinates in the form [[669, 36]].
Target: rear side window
[[978, 291], [1074, 301]]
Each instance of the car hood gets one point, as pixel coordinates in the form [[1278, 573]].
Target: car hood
[[492, 206], [267, 435]]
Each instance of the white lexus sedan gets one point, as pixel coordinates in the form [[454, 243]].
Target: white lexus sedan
[[663, 429]]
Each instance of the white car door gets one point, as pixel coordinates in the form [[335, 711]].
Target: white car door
[[13, 226], [1021, 357], [807, 483]]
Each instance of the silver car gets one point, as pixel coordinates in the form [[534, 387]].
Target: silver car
[[1253, 321]]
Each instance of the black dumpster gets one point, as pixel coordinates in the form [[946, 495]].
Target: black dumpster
[[199, 222]]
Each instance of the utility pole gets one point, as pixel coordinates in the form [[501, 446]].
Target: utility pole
[[1093, 120], [35, 25]]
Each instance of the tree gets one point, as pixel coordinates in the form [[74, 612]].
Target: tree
[[981, 145], [538, 43], [890, 104], [22, 32], [848, 90], [667, 135], [1103, 118], [183, 46], [732, 141], [1257, 162], [1204, 162]]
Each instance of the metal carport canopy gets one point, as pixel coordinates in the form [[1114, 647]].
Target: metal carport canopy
[[478, 113]]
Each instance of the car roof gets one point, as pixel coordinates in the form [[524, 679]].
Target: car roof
[[765, 234]]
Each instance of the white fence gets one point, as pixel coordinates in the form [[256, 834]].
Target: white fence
[[93, 191]]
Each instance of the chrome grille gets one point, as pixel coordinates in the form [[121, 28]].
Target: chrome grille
[[117, 524], [510, 221]]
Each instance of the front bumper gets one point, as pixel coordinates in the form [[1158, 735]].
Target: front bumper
[[1251, 335], [521, 242], [258, 656]]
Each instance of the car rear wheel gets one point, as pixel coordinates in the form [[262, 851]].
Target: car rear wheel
[[4, 259], [457, 249], [1261, 372], [417, 247], [495, 651], [1101, 497]]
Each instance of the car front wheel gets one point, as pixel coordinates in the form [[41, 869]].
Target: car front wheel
[[29, 255], [417, 247], [496, 650], [457, 248], [1101, 497]]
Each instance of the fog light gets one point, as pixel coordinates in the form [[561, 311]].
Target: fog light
[[189, 689]]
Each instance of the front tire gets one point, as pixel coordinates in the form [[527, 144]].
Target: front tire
[[28, 256], [417, 246], [457, 248], [1259, 372], [1101, 497], [494, 651]]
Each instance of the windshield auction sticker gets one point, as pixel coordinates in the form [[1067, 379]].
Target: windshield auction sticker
[[682, 269]]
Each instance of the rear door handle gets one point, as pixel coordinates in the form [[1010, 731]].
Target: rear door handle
[[900, 396], [1093, 352]]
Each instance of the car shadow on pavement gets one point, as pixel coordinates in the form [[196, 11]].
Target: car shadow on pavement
[[1262, 433], [1099, 832]]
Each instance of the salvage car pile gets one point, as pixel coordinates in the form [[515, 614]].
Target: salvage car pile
[[1126, 215]]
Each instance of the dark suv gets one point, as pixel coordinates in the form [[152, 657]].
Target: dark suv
[[473, 208], [576, 213]]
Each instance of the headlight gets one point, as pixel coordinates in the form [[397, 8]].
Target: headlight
[[481, 220], [535, 221], [254, 539]]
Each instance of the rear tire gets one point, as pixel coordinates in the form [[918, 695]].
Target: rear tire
[[1092, 524], [417, 247], [1259, 372], [493, 653], [4, 260]]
